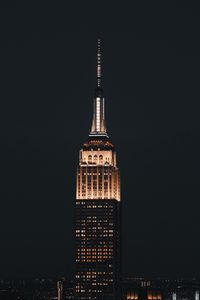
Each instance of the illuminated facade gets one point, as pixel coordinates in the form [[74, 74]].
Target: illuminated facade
[[98, 210]]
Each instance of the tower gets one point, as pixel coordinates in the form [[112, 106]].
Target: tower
[[196, 295], [98, 209], [174, 296], [60, 290]]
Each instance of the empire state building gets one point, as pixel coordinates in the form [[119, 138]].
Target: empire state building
[[98, 209]]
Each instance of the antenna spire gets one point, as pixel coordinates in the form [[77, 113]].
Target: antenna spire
[[99, 71], [98, 122]]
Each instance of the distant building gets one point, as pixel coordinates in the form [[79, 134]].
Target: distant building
[[146, 294], [141, 289], [98, 210], [173, 296], [197, 295], [60, 290]]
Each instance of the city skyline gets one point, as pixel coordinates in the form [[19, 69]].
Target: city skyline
[[151, 62]]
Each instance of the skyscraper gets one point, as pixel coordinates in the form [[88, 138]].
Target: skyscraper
[[98, 209]]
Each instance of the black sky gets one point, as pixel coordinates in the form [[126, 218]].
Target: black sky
[[151, 56]]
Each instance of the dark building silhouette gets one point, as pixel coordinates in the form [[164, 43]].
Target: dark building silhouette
[[98, 210]]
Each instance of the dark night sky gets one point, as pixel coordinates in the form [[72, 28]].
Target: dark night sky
[[152, 72]]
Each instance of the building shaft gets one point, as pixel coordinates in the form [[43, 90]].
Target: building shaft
[[98, 210]]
